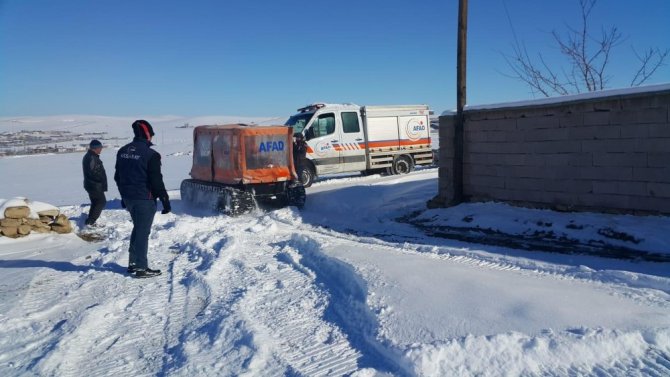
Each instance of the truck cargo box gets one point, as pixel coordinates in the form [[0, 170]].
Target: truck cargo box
[[397, 127], [242, 154]]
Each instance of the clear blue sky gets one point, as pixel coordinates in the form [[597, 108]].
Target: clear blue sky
[[265, 58]]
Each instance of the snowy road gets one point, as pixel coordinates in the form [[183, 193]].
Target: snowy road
[[336, 289]]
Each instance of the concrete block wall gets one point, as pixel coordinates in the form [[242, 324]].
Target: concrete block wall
[[609, 153]]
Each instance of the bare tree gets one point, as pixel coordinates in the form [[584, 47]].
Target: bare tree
[[588, 57]]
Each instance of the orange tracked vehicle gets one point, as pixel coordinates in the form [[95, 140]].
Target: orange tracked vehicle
[[236, 166]]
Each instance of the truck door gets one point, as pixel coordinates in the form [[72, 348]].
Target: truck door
[[322, 136], [352, 142]]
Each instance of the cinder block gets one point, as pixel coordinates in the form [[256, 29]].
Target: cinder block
[[561, 146], [557, 159], [498, 136], [652, 145], [488, 181], [514, 136], [568, 186], [622, 202], [560, 172], [634, 131], [476, 158], [658, 175], [640, 116], [652, 204], [500, 148], [658, 160], [475, 136], [535, 123], [492, 125], [659, 190], [547, 134], [533, 184], [659, 130], [594, 132], [534, 160], [520, 171], [641, 102], [597, 118], [514, 159], [611, 146], [619, 159], [479, 170], [605, 173], [574, 119], [620, 188], [581, 159]]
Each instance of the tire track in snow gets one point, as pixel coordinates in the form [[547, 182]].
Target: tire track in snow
[[347, 303], [286, 309], [209, 335]]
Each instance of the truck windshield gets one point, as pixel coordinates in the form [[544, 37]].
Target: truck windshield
[[299, 121]]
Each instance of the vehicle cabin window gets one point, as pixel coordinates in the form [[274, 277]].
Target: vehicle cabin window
[[350, 123], [203, 153], [323, 125]]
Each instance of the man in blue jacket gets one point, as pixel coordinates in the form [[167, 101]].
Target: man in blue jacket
[[140, 182]]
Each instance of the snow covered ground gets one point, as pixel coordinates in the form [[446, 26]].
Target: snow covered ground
[[339, 288]]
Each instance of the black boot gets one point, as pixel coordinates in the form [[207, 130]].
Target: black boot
[[146, 272]]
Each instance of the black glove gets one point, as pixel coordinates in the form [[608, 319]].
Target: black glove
[[167, 208]]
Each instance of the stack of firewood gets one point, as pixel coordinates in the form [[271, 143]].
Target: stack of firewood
[[20, 217]]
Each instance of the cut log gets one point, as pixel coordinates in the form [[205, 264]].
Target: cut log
[[49, 212], [62, 220], [47, 219], [17, 212], [10, 223], [12, 232], [24, 230], [61, 229]]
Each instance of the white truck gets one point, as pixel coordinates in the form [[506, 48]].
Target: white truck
[[368, 139]]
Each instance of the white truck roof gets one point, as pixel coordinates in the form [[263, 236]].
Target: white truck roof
[[377, 110], [335, 106]]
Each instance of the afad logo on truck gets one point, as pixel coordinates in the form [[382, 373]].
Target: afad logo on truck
[[271, 146], [416, 129], [322, 148]]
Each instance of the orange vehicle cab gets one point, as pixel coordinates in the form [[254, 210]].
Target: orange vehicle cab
[[239, 154]]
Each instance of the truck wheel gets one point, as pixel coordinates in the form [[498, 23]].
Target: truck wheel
[[306, 175], [402, 165]]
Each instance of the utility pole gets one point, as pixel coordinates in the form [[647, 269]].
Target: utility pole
[[460, 99]]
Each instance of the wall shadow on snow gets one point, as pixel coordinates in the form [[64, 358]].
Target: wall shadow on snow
[[373, 213]]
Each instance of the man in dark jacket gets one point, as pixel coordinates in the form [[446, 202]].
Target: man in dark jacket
[[299, 153], [140, 182], [95, 181]]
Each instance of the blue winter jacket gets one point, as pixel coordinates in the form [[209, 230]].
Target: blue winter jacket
[[138, 172]]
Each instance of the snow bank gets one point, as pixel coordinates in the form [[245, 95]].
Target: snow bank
[[573, 352], [647, 233]]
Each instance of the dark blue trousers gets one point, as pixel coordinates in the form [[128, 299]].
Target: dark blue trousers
[[142, 212], [98, 202]]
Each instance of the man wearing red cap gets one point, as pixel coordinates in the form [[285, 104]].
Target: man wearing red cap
[[140, 182]]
